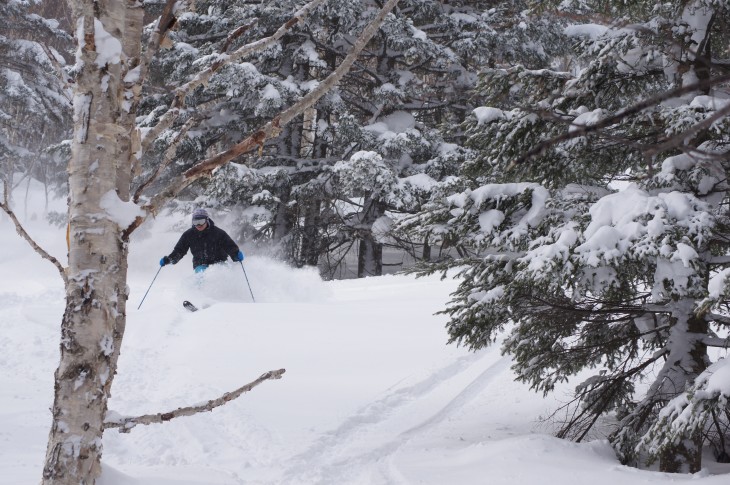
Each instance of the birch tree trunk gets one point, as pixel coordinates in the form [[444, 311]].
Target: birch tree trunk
[[109, 38], [111, 72]]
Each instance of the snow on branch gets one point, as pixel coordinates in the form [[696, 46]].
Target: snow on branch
[[167, 158], [581, 131], [687, 413], [681, 138], [245, 50], [125, 424], [270, 129], [5, 206], [273, 127], [164, 24], [224, 59]]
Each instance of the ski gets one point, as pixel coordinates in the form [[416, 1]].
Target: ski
[[189, 306]]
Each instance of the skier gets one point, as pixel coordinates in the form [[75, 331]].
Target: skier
[[208, 243]]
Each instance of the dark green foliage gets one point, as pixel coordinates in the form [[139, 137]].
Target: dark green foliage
[[35, 106], [411, 80], [595, 253]]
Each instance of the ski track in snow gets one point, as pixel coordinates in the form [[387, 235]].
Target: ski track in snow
[[372, 395], [365, 440], [358, 447], [339, 456]]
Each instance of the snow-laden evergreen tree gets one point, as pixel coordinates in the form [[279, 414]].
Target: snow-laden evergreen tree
[[240, 95], [289, 187], [408, 89], [35, 105], [594, 214]]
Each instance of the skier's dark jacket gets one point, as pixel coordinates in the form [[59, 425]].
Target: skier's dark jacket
[[210, 246]]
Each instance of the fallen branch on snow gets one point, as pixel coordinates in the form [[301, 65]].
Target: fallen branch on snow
[[125, 424]]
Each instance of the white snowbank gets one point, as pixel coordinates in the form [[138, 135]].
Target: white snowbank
[[372, 393]]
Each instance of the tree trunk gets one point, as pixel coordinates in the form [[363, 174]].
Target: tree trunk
[[370, 254], [370, 258], [685, 456], [312, 244], [109, 39], [96, 293], [426, 254], [311, 233], [285, 218]]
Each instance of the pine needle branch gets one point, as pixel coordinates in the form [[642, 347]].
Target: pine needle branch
[[581, 131], [225, 59]]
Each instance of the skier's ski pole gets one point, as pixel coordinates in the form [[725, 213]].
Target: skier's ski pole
[[148, 289], [249, 284]]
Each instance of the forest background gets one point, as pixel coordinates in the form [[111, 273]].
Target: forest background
[[568, 159]]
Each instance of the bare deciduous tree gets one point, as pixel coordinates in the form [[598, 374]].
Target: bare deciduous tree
[[112, 66]]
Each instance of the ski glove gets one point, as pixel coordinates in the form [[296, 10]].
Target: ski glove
[[165, 260], [239, 256]]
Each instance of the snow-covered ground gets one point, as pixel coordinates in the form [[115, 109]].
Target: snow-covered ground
[[372, 394]]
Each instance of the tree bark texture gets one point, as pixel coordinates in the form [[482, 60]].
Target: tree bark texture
[[109, 35], [311, 240], [370, 254], [685, 456]]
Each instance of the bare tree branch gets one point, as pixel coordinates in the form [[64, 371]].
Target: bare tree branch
[[725, 320], [244, 51], [269, 130], [125, 424], [719, 260], [171, 150], [61, 75], [718, 342], [272, 128], [236, 34], [164, 24], [5, 206], [679, 139]]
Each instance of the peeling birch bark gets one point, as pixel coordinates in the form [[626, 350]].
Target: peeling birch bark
[[96, 289]]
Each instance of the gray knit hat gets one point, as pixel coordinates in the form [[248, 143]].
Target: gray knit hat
[[200, 214]]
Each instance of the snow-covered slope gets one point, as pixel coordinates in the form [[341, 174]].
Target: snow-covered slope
[[372, 393]]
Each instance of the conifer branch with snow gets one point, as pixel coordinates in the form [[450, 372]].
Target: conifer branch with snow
[[600, 257], [224, 59], [270, 129]]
